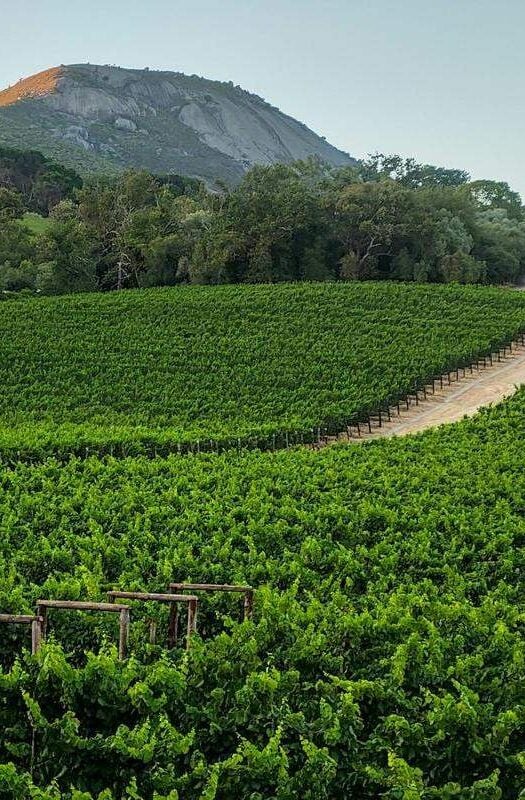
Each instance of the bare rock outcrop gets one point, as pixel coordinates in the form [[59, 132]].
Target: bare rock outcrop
[[162, 121]]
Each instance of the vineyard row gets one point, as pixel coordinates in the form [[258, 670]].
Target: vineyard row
[[316, 436]]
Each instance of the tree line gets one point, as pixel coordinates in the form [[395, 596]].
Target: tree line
[[386, 218]]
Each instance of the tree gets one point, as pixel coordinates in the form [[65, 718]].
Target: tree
[[495, 194], [16, 243], [403, 266], [41, 182], [500, 242], [108, 208], [68, 251], [11, 204], [409, 173], [15, 279], [460, 267], [275, 214], [370, 220], [450, 235], [386, 218], [261, 267], [143, 226], [317, 263]]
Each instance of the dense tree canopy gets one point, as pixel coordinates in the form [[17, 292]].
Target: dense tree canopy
[[41, 183], [387, 218]]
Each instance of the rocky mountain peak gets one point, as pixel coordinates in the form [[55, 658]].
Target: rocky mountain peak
[[111, 118]]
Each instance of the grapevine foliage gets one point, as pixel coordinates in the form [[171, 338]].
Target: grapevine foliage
[[386, 657], [140, 372]]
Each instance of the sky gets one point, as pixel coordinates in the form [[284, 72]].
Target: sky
[[440, 80]]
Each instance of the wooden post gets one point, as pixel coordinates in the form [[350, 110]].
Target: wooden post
[[172, 599], [36, 635], [124, 619], [192, 621], [35, 622], [173, 625], [152, 631], [42, 613], [248, 604]]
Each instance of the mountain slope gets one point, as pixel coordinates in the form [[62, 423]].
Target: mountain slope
[[108, 118]]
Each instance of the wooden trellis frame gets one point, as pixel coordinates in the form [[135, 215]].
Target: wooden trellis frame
[[39, 621], [174, 600], [247, 591], [76, 605], [26, 619]]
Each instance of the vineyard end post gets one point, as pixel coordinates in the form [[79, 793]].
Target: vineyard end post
[[124, 620], [192, 622], [173, 625]]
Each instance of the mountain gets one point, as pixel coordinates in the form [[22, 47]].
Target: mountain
[[105, 119]]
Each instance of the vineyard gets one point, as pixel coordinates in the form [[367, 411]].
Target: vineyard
[[385, 657], [145, 372], [370, 643]]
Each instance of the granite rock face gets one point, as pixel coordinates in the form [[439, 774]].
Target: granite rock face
[[108, 118]]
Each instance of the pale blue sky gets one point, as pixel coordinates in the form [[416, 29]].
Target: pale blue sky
[[442, 80]]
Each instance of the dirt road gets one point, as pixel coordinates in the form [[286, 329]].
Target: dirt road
[[491, 384]]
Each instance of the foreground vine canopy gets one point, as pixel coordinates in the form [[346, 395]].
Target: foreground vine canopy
[[148, 368], [385, 656]]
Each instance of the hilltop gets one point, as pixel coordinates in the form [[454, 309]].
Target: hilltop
[[105, 119]]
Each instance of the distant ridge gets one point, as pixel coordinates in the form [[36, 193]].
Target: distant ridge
[[102, 118]]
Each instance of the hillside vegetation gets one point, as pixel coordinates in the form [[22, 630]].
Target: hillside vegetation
[[137, 371], [386, 218], [30, 182], [385, 659]]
